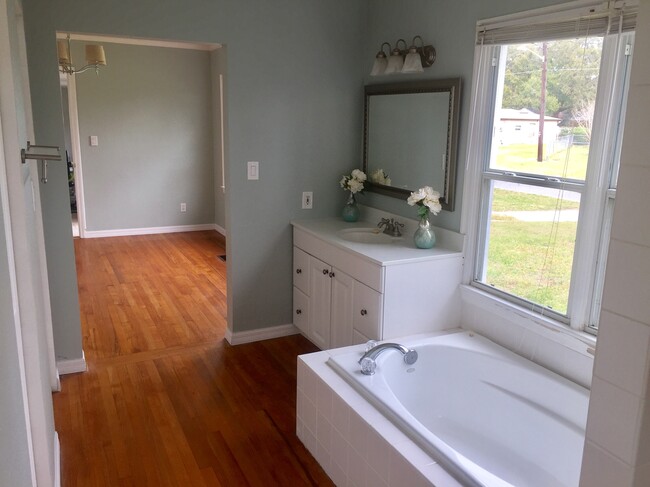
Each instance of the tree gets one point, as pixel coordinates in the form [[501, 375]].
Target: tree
[[584, 117], [572, 75]]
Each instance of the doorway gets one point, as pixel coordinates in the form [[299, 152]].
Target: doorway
[[64, 80], [154, 166]]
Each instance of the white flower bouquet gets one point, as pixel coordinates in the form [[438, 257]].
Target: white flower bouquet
[[427, 199], [354, 182], [380, 177]]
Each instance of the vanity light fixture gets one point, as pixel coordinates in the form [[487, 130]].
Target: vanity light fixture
[[95, 57], [396, 59], [411, 60], [380, 61]]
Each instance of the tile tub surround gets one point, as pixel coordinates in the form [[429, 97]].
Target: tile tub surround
[[353, 442]]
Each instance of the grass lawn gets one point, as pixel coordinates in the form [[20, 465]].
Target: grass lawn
[[518, 261], [520, 158]]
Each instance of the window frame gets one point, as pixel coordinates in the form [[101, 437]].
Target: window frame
[[598, 191]]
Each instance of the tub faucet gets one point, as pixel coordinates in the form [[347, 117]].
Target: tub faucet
[[368, 361]]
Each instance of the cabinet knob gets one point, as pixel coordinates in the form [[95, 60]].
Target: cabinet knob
[[298, 271], [298, 311], [332, 274], [325, 272], [364, 312]]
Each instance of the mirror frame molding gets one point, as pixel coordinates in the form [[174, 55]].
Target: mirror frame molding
[[450, 85]]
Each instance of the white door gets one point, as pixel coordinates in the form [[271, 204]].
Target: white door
[[341, 317], [301, 311], [367, 311], [25, 248], [320, 299]]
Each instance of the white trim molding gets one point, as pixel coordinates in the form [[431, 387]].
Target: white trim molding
[[238, 338], [125, 232], [140, 41], [220, 229], [72, 366], [57, 460]]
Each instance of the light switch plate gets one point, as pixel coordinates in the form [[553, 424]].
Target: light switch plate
[[253, 170], [307, 200], [94, 140]]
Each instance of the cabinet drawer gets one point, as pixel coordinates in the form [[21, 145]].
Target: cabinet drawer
[[361, 269], [300, 310], [301, 270], [367, 310]]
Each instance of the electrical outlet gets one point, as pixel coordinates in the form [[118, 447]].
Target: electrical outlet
[[307, 200], [183, 207]]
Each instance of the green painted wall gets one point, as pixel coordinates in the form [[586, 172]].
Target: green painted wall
[[151, 110], [295, 75], [450, 26], [294, 104]]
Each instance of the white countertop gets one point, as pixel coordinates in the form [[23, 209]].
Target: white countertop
[[398, 251]]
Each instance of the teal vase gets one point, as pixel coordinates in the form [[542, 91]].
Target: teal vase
[[351, 209], [424, 237]]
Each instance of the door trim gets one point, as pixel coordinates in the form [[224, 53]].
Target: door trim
[[75, 141]]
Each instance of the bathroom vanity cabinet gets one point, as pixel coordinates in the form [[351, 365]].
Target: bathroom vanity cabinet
[[347, 292], [332, 308]]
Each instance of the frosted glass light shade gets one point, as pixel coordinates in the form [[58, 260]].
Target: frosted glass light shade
[[395, 64], [95, 54], [412, 63], [62, 49], [379, 67]]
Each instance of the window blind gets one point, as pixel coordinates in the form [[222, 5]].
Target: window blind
[[596, 20]]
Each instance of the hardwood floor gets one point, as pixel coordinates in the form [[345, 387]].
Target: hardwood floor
[[166, 401]]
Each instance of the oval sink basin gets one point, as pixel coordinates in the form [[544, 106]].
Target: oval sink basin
[[367, 236]]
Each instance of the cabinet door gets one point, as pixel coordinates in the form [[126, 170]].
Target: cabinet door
[[358, 338], [341, 314], [320, 298], [301, 270], [301, 311], [367, 311]]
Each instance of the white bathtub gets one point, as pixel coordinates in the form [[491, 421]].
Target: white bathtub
[[486, 415]]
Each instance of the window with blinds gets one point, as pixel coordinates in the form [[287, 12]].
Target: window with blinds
[[548, 108]]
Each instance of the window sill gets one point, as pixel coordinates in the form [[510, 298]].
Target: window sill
[[578, 341]]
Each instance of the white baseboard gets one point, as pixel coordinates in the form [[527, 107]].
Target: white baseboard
[[57, 460], [125, 232], [220, 229], [260, 334], [72, 366]]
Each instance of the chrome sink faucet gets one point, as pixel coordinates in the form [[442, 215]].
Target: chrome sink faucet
[[397, 228], [387, 224], [391, 227], [368, 361]]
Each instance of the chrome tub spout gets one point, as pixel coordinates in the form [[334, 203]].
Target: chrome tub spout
[[368, 361]]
